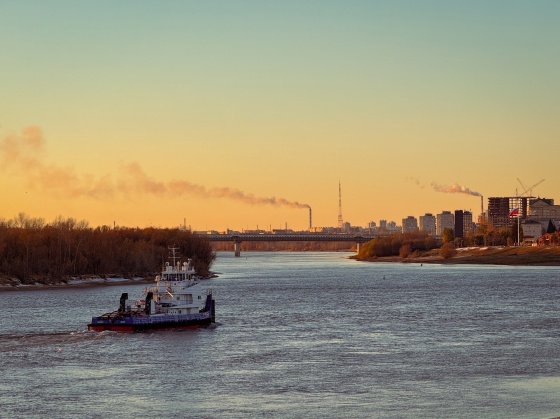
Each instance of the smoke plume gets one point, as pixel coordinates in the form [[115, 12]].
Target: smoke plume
[[454, 189], [140, 182], [21, 154], [416, 181]]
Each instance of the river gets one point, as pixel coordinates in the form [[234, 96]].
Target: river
[[298, 335]]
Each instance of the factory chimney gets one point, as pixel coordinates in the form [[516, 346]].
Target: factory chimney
[[310, 220], [481, 205], [340, 222]]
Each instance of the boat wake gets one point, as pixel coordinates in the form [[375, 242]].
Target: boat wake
[[16, 341]]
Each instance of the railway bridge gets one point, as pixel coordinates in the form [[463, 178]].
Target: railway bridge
[[237, 239]]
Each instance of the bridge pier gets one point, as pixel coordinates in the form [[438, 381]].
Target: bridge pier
[[358, 247], [237, 248]]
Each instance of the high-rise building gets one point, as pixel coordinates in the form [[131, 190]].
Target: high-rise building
[[443, 221], [409, 223], [468, 225], [459, 224], [544, 208], [463, 223], [428, 223], [499, 209]]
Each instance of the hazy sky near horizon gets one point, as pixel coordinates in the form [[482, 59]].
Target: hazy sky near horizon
[[238, 114]]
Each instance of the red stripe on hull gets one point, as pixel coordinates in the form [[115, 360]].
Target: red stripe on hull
[[130, 329]]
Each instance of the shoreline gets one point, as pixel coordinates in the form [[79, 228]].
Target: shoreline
[[92, 282], [499, 256]]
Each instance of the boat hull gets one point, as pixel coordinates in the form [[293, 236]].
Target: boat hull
[[121, 322], [145, 327]]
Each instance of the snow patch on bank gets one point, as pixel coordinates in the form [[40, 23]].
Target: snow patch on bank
[[15, 284], [99, 280]]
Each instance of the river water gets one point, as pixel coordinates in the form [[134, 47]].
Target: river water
[[298, 335]]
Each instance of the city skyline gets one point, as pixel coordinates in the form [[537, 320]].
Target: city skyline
[[233, 115]]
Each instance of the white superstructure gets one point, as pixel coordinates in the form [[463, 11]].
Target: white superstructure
[[176, 291]]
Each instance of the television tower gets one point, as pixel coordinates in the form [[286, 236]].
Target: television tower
[[340, 222]]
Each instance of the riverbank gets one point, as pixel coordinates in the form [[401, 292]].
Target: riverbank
[[11, 284], [513, 256]]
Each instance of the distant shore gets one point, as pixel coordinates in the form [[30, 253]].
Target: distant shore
[[512, 256]]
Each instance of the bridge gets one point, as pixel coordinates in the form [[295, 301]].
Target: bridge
[[237, 239]]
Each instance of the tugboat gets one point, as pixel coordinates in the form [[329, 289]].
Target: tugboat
[[177, 301]]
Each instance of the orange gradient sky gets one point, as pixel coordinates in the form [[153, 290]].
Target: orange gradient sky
[[241, 114]]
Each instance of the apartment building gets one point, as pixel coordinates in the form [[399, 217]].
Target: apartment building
[[444, 220], [428, 223]]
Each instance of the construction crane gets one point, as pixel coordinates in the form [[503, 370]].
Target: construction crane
[[530, 188]]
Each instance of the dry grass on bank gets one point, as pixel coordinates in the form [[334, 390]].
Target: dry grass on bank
[[526, 256], [537, 256]]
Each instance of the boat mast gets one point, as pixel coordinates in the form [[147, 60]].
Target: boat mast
[[174, 254]]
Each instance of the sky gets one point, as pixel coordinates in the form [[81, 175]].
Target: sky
[[243, 114]]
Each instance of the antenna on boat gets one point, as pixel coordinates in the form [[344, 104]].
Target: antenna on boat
[[174, 254]]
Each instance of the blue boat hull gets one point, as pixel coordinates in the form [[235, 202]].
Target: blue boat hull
[[134, 322]]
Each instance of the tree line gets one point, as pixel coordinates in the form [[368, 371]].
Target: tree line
[[33, 250], [407, 244], [398, 244]]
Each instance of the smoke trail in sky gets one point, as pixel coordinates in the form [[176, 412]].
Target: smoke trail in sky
[[454, 189], [13, 148], [140, 182], [21, 152], [416, 181]]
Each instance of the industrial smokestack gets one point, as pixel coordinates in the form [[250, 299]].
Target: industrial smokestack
[[310, 219], [481, 205]]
